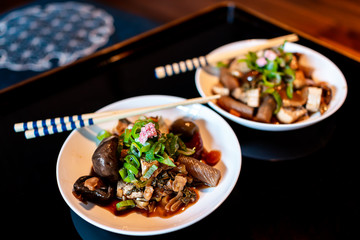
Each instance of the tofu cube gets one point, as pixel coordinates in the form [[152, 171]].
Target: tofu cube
[[253, 97], [313, 99]]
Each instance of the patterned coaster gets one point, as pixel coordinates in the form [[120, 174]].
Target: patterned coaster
[[39, 38]]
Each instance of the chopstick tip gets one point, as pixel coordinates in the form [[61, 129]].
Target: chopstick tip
[[160, 72]]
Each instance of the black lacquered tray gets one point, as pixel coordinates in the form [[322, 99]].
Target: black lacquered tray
[[306, 189]]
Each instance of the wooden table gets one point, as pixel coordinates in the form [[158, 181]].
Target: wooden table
[[333, 23]]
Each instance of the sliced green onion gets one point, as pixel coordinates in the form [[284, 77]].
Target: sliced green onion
[[155, 149], [290, 72], [161, 152], [123, 173], [167, 144], [266, 82], [131, 177], [150, 171], [103, 134], [278, 101], [146, 147], [149, 155], [187, 152], [174, 146], [131, 159], [272, 66], [136, 129], [127, 135], [182, 145], [125, 205], [250, 60], [140, 184], [162, 138], [289, 90], [126, 175], [275, 76], [131, 168], [166, 160], [277, 98], [135, 149]]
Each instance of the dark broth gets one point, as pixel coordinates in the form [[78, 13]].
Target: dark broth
[[158, 212]]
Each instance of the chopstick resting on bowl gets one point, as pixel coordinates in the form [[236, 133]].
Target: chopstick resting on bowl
[[213, 59], [50, 126]]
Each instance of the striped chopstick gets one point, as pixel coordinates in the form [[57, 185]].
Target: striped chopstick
[[50, 126], [213, 59], [24, 126]]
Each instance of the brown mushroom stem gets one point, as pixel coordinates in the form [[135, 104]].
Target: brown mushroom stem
[[266, 109], [229, 103]]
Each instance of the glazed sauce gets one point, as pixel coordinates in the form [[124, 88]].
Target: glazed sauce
[[197, 143], [158, 212], [211, 158]]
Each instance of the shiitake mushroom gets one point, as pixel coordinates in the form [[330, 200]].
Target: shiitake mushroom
[[105, 159], [93, 189], [185, 127]]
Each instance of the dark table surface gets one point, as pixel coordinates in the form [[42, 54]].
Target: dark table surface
[[283, 192]]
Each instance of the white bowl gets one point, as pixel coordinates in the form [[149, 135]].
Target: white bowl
[[324, 70], [75, 160]]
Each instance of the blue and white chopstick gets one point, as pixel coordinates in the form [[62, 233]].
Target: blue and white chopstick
[[212, 59], [181, 67], [50, 126], [24, 126], [66, 126]]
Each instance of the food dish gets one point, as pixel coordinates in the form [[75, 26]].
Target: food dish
[[324, 70], [74, 161]]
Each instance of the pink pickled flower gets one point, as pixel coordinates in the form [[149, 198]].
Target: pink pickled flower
[[147, 131], [142, 137], [270, 54], [261, 61], [150, 129]]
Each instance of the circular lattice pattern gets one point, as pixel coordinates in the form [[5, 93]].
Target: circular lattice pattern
[[41, 37]]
